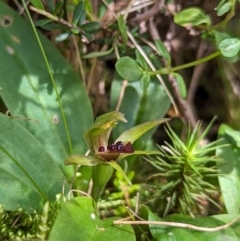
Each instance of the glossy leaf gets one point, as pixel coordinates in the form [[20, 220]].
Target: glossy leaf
[[123, 28], [229, 179], [28, 174], [230, 47], [78, 14], [78, 220], [181, 85], [128, 69], [28, 91], [37, 4], [163, 51], [191, 17], [223, 9], [145, 81], [219, 37]]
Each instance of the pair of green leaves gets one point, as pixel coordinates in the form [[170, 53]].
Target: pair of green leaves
[[132, 70]]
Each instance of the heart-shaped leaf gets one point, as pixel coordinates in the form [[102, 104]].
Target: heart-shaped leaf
[[78, 220]]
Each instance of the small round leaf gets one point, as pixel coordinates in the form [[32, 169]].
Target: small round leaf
[[223, 9], [230, 47], [128, 69]]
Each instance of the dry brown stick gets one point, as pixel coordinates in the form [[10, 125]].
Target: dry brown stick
[[178, 225], [150, 13], [183, 106]]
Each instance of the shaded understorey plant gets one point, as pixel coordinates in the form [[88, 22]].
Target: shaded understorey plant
[[104, 156], [185, 172]]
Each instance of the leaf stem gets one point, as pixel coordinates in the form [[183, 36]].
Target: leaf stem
[[184, 66]]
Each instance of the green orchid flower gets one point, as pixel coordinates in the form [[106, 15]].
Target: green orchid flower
[[104, 153]]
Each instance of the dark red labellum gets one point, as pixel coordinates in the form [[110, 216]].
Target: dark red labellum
[[101, 149], [128, 148], [119, 145], [112, 147]]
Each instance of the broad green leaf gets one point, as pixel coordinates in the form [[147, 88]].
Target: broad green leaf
[[227, 218], [164, 232], [191, 17], [128, 69], [98, 135], [230, 47], [160, 232], [181, 85], [123, 28], [28, 174], [28, 91], [37, 4], [78, 14], [79, 220], [223, 9], [210, 222], [229, 179], [131, 135], [82, 160], [145, 81], [163, 51]]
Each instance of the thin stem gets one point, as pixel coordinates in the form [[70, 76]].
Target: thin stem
[[179, 225], [184, 66], [153, 68], [51, 76]]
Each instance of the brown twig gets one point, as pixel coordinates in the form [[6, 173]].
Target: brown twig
[[59, 20], [185, 109], [178, 225]]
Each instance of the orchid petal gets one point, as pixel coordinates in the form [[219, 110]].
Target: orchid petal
[[135, 132], [98, 135], [82, 160]]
